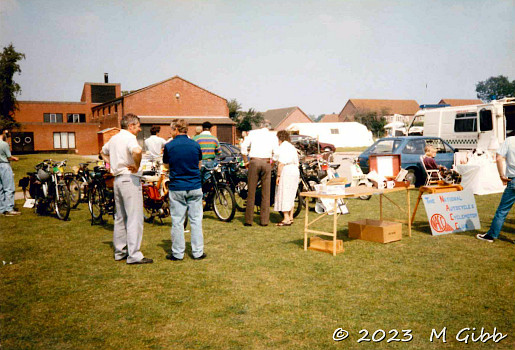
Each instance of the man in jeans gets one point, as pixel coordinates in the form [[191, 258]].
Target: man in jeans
[[505, 152], [6, 178], [183, 156]]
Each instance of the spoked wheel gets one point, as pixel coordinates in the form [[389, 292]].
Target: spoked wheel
[[299, 203], [240, 195], [147, 210], [83, 184], [224, 204], [62, 201], [367, 197], [75, 193], [95, 203]]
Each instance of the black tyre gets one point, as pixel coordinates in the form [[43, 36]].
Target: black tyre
[[413, 177], [299, 203], [224, 204], [95, 199], [75, 192], [365, 198], [240, 195], [62, 201]]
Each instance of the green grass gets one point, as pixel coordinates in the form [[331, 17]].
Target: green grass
[[28, 161], [257, 289]]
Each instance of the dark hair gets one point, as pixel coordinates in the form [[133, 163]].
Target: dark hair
[[283, 135], [180, 125], [154, 130], [129, 119], [206, 125]]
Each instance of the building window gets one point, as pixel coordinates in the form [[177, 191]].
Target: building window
[[76, 118], [52, 117], [335, 131], [64, 140], [116, 108]]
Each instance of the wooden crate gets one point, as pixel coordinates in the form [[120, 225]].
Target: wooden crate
[[325, 245]]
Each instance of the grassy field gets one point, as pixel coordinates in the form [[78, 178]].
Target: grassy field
[[61, 289]]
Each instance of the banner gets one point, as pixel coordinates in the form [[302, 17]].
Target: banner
[[451, 212]]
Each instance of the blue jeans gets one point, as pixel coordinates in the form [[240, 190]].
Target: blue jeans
[[207, 164], [507, 200], [6, 188], [180, 201]]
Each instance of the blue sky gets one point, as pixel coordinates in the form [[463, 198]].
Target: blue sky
[[266, 54]]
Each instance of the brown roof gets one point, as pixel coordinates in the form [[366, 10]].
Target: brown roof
[[276, 116], [459, 102], [404, 107], [329, 118]]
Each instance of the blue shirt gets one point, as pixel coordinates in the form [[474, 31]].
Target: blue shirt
[[183, 155]]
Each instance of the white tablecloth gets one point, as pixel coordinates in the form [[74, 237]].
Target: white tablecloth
[[480, 178]]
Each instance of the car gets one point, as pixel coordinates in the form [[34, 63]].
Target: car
[[304, 139], [410, 148], [229, 153]]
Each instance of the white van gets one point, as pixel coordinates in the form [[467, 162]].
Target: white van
[[483, 126]]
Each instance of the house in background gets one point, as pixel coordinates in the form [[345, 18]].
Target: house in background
[[329, 118], [453, 102], [73, 127], [283, 117], [392, 110]]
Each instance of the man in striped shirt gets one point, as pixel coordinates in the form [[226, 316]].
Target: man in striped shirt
[[210, 148]]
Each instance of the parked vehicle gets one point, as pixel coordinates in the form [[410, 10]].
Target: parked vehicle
[[155, 193], [49, 190], [236, 177], [84, 179], [410, 148], [307, 142], [218, 195], [482, 126], [230, 153], [100, 194]]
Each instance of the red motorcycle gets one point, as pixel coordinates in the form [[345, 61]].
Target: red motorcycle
[[155, 194]]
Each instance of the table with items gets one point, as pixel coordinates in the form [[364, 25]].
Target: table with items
[[352, 192]]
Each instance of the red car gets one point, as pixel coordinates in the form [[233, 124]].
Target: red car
[[304, 139]]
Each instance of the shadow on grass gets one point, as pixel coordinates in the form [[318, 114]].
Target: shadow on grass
[[166, 244]]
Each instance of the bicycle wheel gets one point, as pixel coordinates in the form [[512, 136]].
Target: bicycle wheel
[[240, 195], [74, 188], [83, 188], [62, 201], [299, 203], [224, 204], [95, 200]]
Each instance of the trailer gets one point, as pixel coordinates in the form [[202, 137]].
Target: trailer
[[484, 126]]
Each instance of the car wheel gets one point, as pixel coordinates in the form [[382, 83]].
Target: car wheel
[[411, 176]]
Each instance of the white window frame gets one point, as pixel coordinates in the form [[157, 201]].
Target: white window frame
[[64, 140], [53, 117]]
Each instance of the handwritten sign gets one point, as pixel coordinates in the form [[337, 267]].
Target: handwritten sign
[[451, 212]]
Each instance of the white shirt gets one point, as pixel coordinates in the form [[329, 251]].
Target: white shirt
[[507, 150], [155, 145], [288, 154], [119, 149], [262, 143]]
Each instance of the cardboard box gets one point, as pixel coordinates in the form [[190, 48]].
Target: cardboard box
[[325, 245], [375, 230]]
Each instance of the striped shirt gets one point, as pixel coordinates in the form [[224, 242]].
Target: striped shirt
[[208, 144]]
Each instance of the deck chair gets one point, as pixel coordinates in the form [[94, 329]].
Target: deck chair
[[433, 176]]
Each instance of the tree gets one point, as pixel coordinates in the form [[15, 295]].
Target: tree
[[244, 120], [8, 87], [372, 121], [234, 109], [495, 88]]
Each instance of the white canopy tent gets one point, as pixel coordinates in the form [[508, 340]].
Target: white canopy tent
[[347, 134]]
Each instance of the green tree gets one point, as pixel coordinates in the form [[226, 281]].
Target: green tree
[[495, 88], [249, 118], [8, 87], [234, 109], [372, 121]]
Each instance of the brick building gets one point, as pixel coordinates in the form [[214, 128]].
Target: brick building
[[283, 117], [392, 110], [75, 126]]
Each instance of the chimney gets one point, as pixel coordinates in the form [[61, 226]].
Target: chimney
[[106, 78]]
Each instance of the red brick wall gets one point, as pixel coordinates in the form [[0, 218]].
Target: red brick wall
[[296, 117]]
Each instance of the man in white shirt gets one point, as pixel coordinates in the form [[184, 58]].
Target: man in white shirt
[[154, 143], [123, 153], [263, 147]]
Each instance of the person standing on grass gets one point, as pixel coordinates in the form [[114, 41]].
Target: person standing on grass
[[154, 143], [210, 147], [123, 153], [505, 153], [287, 178], [183, 158], [6, 178], [263, 146]]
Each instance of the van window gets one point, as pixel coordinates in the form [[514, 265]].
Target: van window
[[465, 122], [385, 146], [485, 120], [439, 145], [335, 131]]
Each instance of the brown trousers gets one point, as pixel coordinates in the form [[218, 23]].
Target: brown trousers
[[259, 169]]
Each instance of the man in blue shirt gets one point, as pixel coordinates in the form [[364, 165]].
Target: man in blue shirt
[[182, 157]]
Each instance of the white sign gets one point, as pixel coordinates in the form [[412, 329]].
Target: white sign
[[451, 212]]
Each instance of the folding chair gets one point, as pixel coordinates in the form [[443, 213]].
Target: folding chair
[[432, 176]]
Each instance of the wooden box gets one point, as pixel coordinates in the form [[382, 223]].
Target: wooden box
[[375, 230], [325, 245], [385, 164]]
